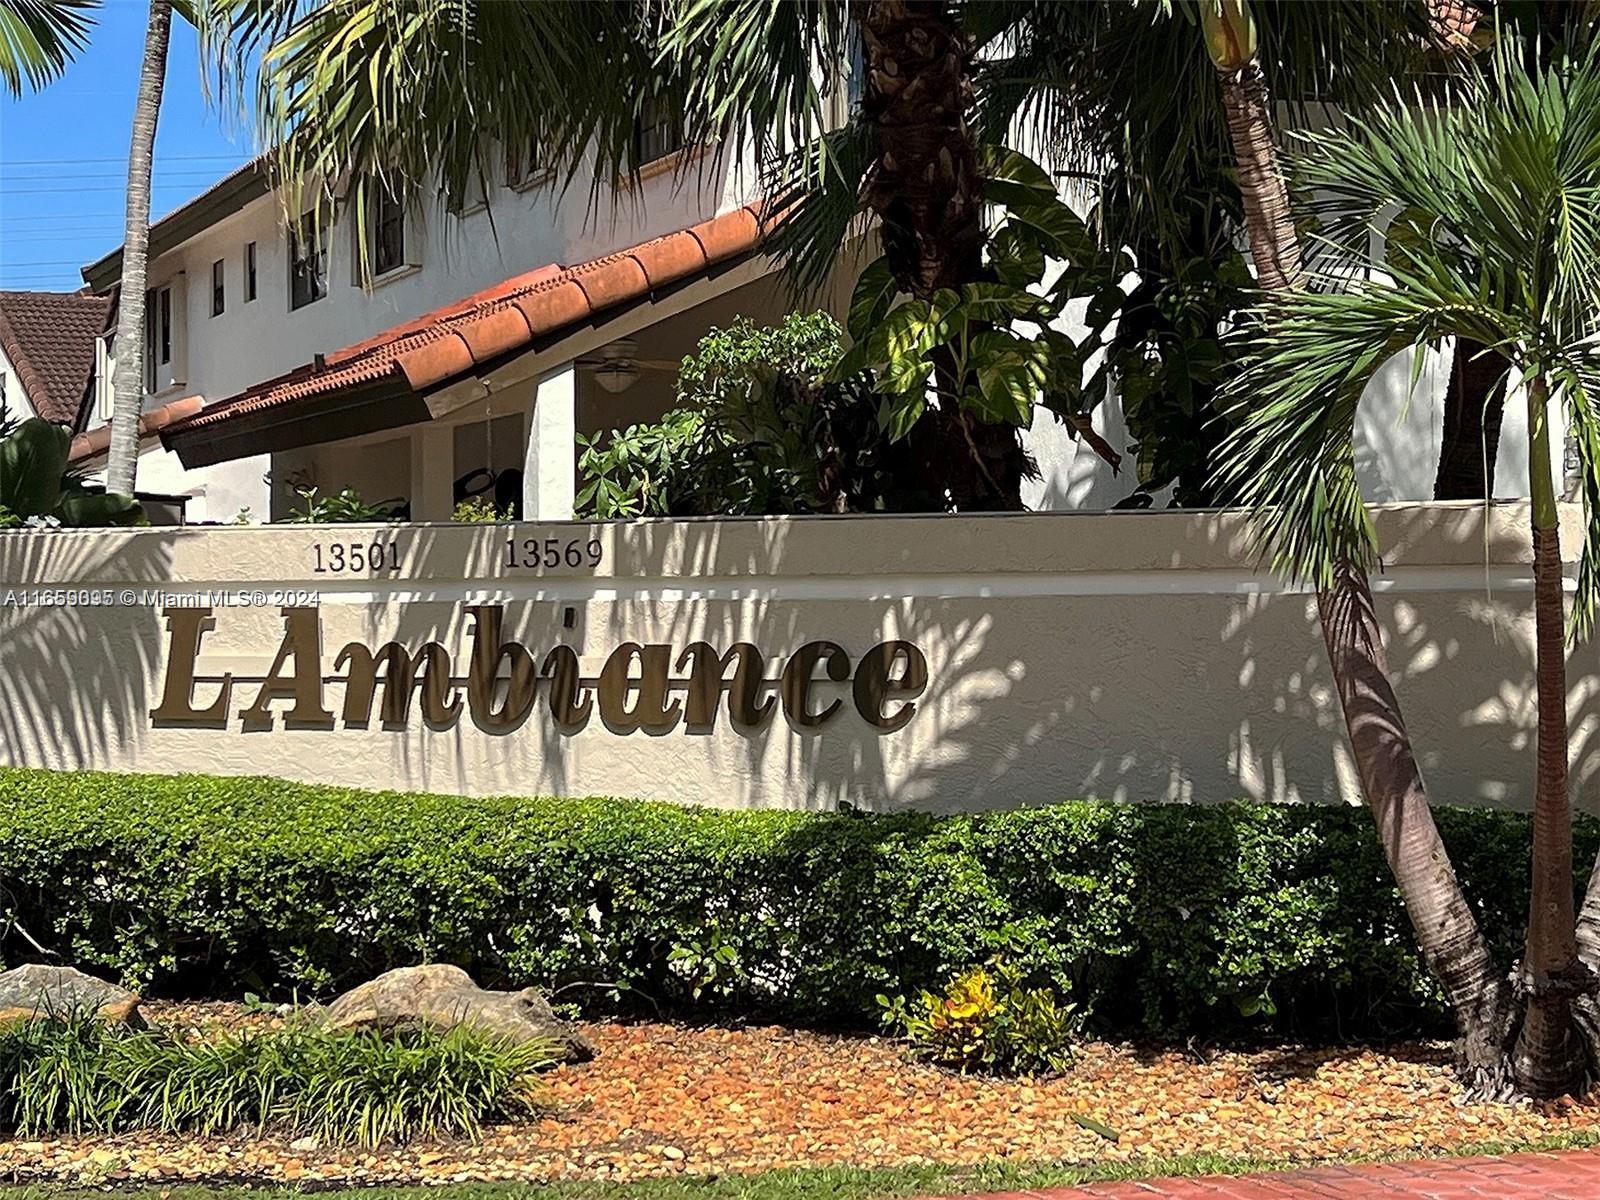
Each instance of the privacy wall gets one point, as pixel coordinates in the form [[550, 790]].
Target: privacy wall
[[886, 662]]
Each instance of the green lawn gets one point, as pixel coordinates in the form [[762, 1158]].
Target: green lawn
[[833, 1183]]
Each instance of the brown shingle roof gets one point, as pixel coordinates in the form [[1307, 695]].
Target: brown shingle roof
[[50, 339], [508, 316]]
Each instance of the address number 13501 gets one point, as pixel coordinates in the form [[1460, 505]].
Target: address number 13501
[[541, 554]]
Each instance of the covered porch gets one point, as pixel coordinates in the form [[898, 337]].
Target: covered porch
[[487, 398]]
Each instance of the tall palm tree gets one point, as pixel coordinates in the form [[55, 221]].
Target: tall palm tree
[[38, 38], [1447, 933], [127, 378], [1494, 239]]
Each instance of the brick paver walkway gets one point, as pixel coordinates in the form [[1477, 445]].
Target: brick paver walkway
[[1571, 1175]]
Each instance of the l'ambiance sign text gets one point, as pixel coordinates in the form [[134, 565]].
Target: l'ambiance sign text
[[645, 687]]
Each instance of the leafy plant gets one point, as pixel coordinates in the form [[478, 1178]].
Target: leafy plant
[[763, 428], [992, 341], [708, 962], [79, 1075], [988, 1019], [36, 486], [346, 507], [475, 510]]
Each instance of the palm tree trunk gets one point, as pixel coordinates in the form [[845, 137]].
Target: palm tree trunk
[[128, 377], [1446, 931], [1474, 403], [927, 192], [1448, 935], [1268, 222], [1550, 1057]]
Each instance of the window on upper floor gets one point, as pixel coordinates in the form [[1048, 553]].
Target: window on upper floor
[[308, 261], [657, 131], [249, 272], [386, 233], [524, 166], [476, 196], [157, 337], [219, 296]]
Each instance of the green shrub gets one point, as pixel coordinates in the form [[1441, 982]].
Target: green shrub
[[82, 1076], [1161, 918], [988, 1019]]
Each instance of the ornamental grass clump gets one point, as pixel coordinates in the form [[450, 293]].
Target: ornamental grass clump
[[80, 1075], [988, 1020]]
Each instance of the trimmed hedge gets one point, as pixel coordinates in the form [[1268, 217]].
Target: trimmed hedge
[[1161, 918]]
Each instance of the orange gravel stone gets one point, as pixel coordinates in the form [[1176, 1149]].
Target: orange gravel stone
[[668, 1100]]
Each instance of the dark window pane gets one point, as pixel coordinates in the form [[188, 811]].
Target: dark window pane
[[249, 271], [150, 340], [308, 264], [166, 325], [657, 132], [388, 235], [218, 296]]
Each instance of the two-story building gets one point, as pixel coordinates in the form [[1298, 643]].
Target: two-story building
[[486, 340], [483, 342]]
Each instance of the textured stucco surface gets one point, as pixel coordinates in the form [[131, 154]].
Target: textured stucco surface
[[1134, 656]]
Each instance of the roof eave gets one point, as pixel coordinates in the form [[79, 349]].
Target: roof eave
[[186, 221]]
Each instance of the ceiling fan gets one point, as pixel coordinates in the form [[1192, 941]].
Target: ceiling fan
[[617, 364]]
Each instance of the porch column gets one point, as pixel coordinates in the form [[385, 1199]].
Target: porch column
[[549, 469]]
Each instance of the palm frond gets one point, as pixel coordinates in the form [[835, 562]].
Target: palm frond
[[38, 38], [1487, 211]]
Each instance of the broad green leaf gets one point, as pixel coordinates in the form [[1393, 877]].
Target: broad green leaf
[[898, 414], [873, 294], [81, 507], [998, 302], [33, 459]]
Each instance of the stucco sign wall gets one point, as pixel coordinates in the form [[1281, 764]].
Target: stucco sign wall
[[931, 662]]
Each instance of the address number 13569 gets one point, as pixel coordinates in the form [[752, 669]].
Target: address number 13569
[[540, 554]]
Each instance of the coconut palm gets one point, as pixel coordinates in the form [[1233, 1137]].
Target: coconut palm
[[127, 377], [1494, 238], [38, 38]]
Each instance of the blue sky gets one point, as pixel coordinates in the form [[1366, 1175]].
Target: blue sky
[[64, 152]]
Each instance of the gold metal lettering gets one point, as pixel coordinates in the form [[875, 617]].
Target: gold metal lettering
[[570, 701], [707, 672], [650, 710], [795, 684], [440, 704], [487, 652], [186, 626], [875, 683], [302, 640]]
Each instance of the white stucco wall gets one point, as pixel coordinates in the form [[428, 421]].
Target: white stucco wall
[[17, 405], [1130, 656]]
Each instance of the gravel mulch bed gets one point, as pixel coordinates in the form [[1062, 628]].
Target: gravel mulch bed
[[665, 1099]]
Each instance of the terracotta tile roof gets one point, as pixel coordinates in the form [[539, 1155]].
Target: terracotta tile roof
[[510, 315], [50, 339], [98, 440]]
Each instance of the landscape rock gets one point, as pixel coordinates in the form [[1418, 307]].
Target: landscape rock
[[42, 991], [442, 997]]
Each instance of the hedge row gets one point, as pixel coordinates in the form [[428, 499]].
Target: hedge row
[[1162, 918]]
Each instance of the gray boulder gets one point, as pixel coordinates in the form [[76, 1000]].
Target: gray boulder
[[442, 997], [59, 992]]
